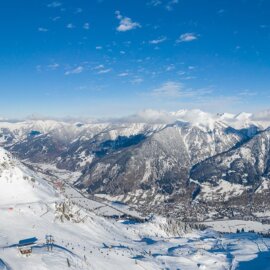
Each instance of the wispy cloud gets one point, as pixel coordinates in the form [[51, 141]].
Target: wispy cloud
[[172, 89], [41, 29], [50, 67], [158, 40], [55, 4], [154, 3], [170, 67], [104, 71], [70, 26], [53, 66], [78, 10], [123, 74], [187, 37], [220, 11], [150, 116], [171, 3], [168, 4], [99, 47], [98, 67], [76, 70], [126, 24], [247, 93], [168, 89], [38, 68], [54, 19], [86, 26], [137, 80], [262, 116]]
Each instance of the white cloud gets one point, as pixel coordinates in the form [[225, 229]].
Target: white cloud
[[126, 24], [247, 93], [150, 116], [39, 68], [193, 116], [79, 10], [243, 119], [41, 29], [168, 4], [171, 3], [54, 19], [181, 73], [263, 116], [99, 47], [53, 66], [168, 89], [221, 11], [86, 26], [137, 81], [55, 4], [187, 37], [157, 41], [124, 74], [155, 3], [76, 70], [104, 71], [170, 67], [172, 89], [70, 26], [98, 67]]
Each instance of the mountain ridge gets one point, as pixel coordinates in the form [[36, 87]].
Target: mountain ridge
[[147, 164]]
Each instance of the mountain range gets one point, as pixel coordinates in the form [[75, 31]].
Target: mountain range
[[191, 165]]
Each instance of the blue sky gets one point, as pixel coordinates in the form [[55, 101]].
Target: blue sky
[[105, 58]]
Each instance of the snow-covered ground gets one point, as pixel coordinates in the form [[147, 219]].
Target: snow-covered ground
[[62, 180], [231, 226], [98, 243], [85, 239]]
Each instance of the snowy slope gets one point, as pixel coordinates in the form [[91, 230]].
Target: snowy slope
[[100, 244], [156, 169], [244, 165], [86, 241], [237, 182], [19, 184]]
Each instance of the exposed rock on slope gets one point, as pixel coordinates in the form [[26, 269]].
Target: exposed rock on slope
[[157, 169], [245, 165]]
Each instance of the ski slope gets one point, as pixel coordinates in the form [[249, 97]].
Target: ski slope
[[19, 184]]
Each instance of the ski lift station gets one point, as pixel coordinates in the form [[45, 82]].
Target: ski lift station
[[25, 245]]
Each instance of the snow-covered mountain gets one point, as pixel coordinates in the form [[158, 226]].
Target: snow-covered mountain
[[146, 159], [239, 177], [245, 165], [246, 120], [159, 164], [84, 239], [13, 132]]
